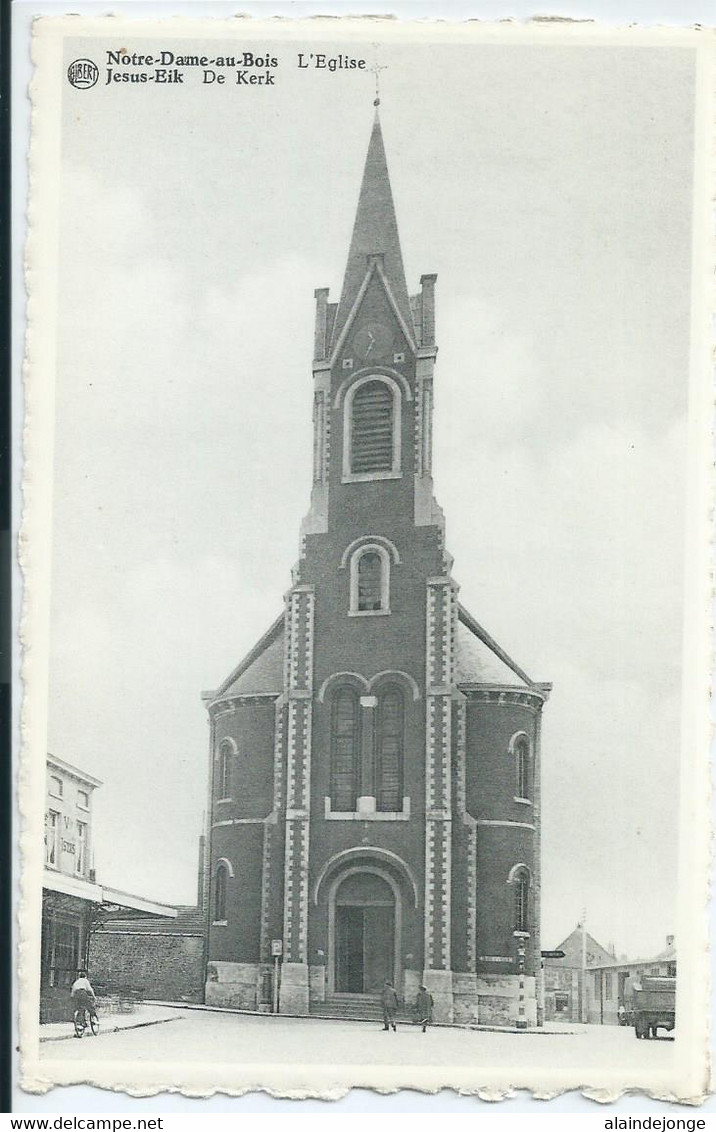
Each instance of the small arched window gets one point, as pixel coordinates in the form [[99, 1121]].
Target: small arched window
[[370, 580], [220, 885], [223, 770], [523, 768], [521, 883], [345, 750], [389, 750]]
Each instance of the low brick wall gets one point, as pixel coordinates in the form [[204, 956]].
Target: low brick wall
[[165, 967]]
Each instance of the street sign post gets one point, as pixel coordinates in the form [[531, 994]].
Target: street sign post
[[552, 954], [277, 952]]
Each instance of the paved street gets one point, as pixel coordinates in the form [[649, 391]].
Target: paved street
[[213, 1043]]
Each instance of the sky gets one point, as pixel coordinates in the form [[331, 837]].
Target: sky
[[550, 190]]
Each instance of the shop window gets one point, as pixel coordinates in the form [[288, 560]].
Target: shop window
[[64, 953], [607, 984], [345, 750]]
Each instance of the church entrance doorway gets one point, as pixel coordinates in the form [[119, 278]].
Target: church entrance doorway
[[366, 926]]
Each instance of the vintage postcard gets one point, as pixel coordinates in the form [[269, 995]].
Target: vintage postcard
[[366, 624]]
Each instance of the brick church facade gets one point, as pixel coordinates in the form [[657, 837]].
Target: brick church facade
[[375, 759]]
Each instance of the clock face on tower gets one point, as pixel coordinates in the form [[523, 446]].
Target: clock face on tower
[[373, 342]]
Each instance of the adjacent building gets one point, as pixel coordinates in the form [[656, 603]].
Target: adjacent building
[[609, 985], [73, 901], [564, 979], [591, 985], [375, 759]]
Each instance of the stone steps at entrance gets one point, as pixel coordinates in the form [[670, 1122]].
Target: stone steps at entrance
[[353, 1007]]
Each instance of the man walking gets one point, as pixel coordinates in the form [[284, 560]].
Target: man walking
[[424, 1007], [389, 1001]]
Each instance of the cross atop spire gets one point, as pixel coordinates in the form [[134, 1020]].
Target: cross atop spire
[[375, 232]]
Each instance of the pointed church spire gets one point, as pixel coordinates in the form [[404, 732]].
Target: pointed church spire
[[375, 232]]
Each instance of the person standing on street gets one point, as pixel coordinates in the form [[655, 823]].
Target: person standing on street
[[424, 1008], [389, 1001]]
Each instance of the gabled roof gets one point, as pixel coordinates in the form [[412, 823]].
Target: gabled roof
[[572, 948], [480, 660], [375, 232], [261, 670]]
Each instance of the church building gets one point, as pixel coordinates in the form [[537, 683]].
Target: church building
[[375, 759]]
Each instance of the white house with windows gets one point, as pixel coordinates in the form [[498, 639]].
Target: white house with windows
[[72, 899]]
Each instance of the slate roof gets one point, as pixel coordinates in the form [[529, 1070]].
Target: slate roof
[[479, 660], [375, 232], [190, 920]]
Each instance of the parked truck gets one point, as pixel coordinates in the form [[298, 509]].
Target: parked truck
[[654, 1004]]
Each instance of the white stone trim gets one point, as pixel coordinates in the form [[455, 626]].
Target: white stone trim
[[358, 542], [366, 815], [517, 824]]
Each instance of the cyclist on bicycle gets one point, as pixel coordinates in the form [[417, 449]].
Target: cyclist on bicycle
[[83, 996]]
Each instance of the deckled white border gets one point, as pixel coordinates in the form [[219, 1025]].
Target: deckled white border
[[690, 1077]]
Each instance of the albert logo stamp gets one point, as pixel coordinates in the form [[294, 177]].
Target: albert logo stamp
[[83, 73]]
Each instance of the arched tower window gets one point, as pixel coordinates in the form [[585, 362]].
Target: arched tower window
[[370, 580], [220, 884], [345, 750], [523, 768], [389, 750], [371, 429], [521, 886], [223, 770]]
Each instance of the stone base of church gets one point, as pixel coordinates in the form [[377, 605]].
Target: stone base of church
[[232, 984], [294, 988], [317, 983], [466, 999], [439, 983], [498, 999]]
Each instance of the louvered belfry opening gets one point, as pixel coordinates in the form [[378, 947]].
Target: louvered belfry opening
[[345, 751], [372, 429]]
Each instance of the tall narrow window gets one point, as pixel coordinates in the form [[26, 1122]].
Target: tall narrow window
[[522, 889], [81, 854], [220, 893], [223, 771], [522, 755], [370, 582], [389, 751], [52, 839], [372, 429], [345, 750]]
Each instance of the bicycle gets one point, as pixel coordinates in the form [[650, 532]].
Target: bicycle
[[80, 1021]]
